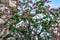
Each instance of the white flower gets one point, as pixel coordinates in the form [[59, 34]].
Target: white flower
[[39, 22], [39, 16], [4, 32], [19, 8], [52, 25], [31, 27], [46, 19], [34, 17], [40, 27], [38, 31], [22, 23], [20, 0], [20, 13], [3, 16], [1, 21], [55, 31], [43, 34], [27, 22], [48, 34], [37, 0], [19, 24], [32, 32], [34, 1], [56, 28], [58, 20], [51, 16], [30, 4], [59, 24], [34, 29], [33, 11], [11, 4]]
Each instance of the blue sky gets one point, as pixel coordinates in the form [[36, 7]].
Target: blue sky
[[54, 3]]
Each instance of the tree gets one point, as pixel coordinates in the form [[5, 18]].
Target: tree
[[31, 21]]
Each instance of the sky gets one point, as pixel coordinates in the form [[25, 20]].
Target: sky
[[54, 3]]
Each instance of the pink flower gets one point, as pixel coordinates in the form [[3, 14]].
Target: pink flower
[[6, 27], [18, 4], [8, 15], [53, 11], [47, 7], [28, 13], [6, 4], [58, 38], [2, 21], [1, 25], [59, 8], [58, 32], [45, 0], [12, 21], [1, 12]]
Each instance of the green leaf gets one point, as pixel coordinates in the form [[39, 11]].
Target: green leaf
[[52, 21], [45, 25], [7, 36], [16, 17], [40, 3], [37, 11], [35, 25]]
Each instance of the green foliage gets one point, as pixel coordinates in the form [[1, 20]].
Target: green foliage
[[40, 3], [7, 36], [26, 31], [16, 17], [37, 11]]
